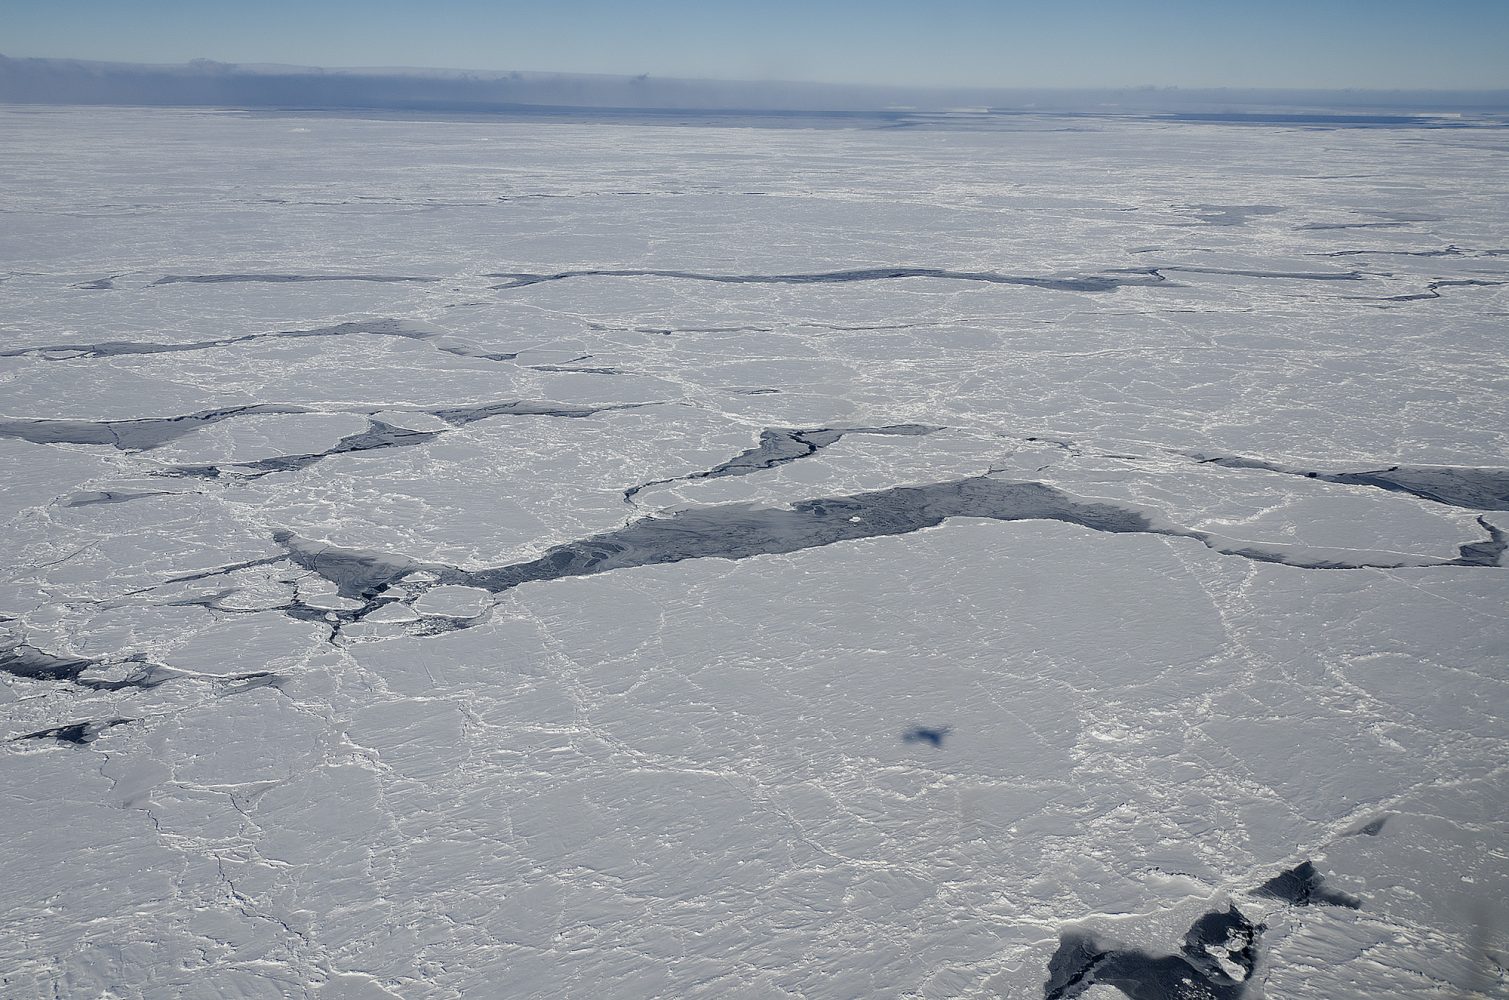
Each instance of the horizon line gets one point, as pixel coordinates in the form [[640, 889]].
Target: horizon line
[[208, 82], [207, 62]]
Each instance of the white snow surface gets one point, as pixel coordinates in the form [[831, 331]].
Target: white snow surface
[[690, 778]]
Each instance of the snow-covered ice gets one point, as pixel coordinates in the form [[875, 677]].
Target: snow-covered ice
[[486, 558]]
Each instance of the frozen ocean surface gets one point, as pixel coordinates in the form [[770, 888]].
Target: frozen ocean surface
[[482, 558]]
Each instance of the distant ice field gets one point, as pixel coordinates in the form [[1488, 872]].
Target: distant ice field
[[488, 558]]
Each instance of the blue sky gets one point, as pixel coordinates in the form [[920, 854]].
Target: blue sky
[[1407, 44]]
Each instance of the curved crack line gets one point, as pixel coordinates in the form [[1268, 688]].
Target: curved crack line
[[1090, 283], [779, 447], [375, 328], [741, 531], [1106, 281], [1470, 487]]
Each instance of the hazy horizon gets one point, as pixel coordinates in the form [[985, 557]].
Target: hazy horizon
[[211, 63], [210, 83], [968, 44]]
